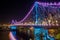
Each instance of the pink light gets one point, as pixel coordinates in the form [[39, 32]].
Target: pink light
[[11, 36]]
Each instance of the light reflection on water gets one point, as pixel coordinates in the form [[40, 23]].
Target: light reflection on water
[[17, 35], [12, 35]]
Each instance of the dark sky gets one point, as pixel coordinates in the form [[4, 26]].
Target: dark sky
[[16, 9]]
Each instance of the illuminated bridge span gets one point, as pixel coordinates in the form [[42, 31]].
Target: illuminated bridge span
[[42, 14], [32, 25], [35, 25]]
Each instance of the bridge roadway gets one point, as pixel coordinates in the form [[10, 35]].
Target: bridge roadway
[[29, 25]]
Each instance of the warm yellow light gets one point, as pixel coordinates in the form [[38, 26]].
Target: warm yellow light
[[30, 22], [51, 30], [49, 21], [56, 21], [31, 28], [25, 23]]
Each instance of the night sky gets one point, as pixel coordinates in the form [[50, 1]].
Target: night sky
[[16, 9]]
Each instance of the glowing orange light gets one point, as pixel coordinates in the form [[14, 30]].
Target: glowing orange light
[[51, 30], [31, 28]]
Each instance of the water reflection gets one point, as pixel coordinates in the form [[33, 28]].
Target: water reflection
[[12, 35], [4, 35], [28, 34]]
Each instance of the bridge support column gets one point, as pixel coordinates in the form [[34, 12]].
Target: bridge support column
[[41, 34], [37, 32], [45, 32]]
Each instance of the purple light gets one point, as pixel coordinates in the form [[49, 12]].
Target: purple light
[[59, 3], [51, 3], [55, 3], [46, 4], [11, 36], [40, 3], [27, 14]]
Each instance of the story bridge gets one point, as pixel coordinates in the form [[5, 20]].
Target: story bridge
[[41, 15]]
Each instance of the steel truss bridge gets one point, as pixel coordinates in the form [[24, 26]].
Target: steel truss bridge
[[45, 14], [40, 15]]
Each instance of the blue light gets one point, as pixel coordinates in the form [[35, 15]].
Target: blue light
[[38, 30], [51, 38], [14, 33], [36, 7], [45, 33], [37, 33], [12, 27]]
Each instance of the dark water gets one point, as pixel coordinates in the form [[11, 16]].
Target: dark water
[[16, 35], [8, 35], [13, 35], [4, 35]]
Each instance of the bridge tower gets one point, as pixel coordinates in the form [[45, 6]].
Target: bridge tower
[[38, 30], [37, 14]]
